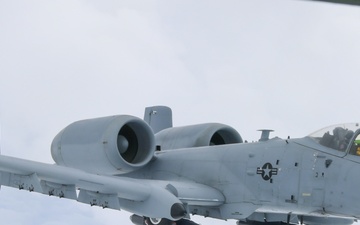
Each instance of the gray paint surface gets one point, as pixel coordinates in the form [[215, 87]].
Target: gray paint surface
[[312, 41]]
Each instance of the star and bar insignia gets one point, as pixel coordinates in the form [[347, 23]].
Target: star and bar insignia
[[267, 171]]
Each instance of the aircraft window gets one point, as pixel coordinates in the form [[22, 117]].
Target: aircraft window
[[355, 148], [337, 137]]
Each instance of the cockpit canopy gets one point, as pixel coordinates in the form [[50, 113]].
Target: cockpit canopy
[[339, 137]]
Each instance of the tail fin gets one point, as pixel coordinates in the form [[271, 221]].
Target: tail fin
[[158, 117]]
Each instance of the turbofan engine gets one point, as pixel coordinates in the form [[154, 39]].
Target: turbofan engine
[[197, 135], [107, 145]]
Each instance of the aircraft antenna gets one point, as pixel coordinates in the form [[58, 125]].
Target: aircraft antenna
[[265, 133]]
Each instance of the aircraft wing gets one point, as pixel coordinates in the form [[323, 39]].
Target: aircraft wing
[[135, 195], [347, 2]]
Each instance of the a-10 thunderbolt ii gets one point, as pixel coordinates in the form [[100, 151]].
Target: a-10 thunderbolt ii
[[165, 174]]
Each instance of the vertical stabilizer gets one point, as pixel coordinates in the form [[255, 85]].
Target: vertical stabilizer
[[158, 117]]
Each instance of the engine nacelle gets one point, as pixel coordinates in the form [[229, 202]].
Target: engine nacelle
[[197, 135], [107, 145]]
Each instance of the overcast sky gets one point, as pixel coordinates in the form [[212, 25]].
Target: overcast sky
[[293, 66]]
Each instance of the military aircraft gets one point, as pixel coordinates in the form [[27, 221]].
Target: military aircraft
[[165, 174]]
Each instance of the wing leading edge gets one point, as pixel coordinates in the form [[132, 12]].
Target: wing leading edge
[[104, 191], [135, 195]]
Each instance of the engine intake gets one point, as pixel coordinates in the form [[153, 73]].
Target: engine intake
[[107, 145], [197, 135]]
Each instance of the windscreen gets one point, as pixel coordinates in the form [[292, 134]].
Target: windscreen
[[337, 137]]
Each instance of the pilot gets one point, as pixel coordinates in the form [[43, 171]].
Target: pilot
[[358, 150], [355, 149], [327, 140], [342, 138], [343, 144]]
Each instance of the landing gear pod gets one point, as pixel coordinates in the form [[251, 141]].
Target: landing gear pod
[[107, 145]]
